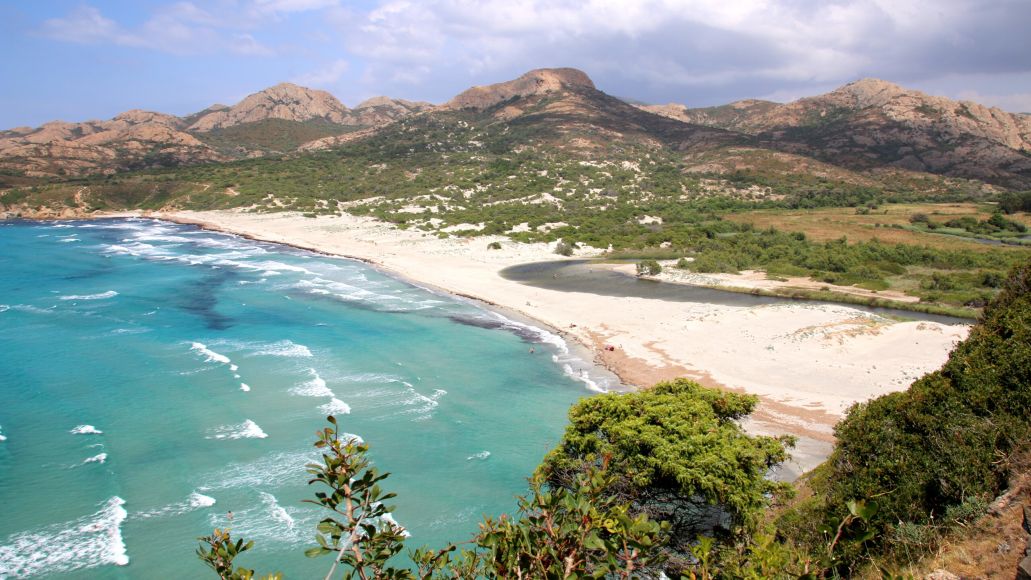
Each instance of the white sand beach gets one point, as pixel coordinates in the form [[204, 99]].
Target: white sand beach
[[807, 363]]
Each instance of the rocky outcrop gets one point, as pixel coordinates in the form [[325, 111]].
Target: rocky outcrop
[[535, 82], [134, 139], [873, 123], [284, 101]]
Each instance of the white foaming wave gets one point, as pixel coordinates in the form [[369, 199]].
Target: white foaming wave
[[315, 387], [481, 455], [245, 387], [399, 300], [335, 407], [98, 458], [562, 357], [270, 523], [419, 404], [272, 266], [279, 468], [86, 542], [2, 436], [275, 510], [86, 430], [67, 240], [28, 308], [100, 296], [246, 430], [233, 368], [195, 501], [137, 330], [210, 355], [4, 308], [284, 348]]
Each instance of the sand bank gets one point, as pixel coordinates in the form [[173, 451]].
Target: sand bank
[[808, 363]]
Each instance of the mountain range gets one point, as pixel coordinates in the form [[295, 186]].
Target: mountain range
[[860, 131]]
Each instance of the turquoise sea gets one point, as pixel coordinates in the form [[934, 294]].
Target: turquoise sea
[[155, 376]]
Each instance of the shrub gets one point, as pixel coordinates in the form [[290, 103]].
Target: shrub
[[563, 248], [942, 447], [494, 246], [648, 268]]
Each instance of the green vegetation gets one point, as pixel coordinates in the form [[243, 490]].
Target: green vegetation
[[679, 456], [649, 268], [995, 227], [270, 135], [947, 276], [932, 456]]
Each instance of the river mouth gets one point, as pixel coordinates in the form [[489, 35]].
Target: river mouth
[[593, 277]]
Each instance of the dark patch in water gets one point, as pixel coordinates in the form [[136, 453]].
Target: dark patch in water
[[525, 333], [200, 298]]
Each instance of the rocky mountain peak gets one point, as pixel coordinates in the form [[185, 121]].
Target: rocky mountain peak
[[283, 101], [869, 92], [535, 82]]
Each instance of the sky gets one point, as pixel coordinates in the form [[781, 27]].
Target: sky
[[91, 59]]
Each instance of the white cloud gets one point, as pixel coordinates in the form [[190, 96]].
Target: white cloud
[[180, 28], [324, 76]]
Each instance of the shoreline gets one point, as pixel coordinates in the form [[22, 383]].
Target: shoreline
[[807, 363]]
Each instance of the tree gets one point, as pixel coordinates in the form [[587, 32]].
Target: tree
[[678, 456]]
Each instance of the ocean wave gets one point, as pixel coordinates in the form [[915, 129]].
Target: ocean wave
[[100, 296], [86, 430], [246, 430], [284, 348], [2, 436], [278, 468], [481, 456], [563, 357], [98, 458], [270, 523], [275, 510], [83, 543], [335, 407], [210, 355], [314, 387], [195, 501], [245, 387]]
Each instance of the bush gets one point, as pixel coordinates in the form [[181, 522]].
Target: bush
[[941, 448], [563, 248], [494, 246], [680, 456], [648, 268]]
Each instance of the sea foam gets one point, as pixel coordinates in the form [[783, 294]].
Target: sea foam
[[86, 542], [86, 430], [210, 355], [246, 430], [245, 387], [335, 407], [98, 458], [100, 296], [314, 387], [195, 501]]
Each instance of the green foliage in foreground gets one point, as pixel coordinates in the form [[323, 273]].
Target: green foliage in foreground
[[563, 533], [680, 455], [936, 454]]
